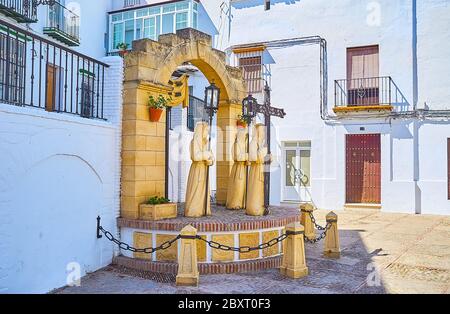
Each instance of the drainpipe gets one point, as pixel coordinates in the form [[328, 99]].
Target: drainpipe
[[416, 126], [306, 40]]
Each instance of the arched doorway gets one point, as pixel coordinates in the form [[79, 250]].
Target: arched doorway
[[148, 69]]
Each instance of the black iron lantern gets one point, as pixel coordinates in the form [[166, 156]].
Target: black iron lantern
[[212, 94], [249, 108]]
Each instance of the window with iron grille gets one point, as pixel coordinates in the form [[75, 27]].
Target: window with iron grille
[[87, 96], [12, 69], [252, 70], [196, 110]]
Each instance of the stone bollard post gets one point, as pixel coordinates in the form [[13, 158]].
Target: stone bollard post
[[331, 248], [187, 258], [294, 261], [305, 220]]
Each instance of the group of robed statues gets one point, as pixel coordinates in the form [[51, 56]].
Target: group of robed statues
[[246, 181]]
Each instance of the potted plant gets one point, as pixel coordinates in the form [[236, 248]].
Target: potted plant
[[123, 49], [241, 122], [157, 208], [156, 106]]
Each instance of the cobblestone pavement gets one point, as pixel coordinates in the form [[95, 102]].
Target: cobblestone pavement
[[402, 253]]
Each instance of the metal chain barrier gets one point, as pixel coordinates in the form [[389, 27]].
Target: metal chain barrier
[[313, 220], [127, 247], [321, 236], [244, 249], [212, 244]]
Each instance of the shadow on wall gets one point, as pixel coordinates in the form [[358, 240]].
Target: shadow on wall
[[398, 99], [51, 222]]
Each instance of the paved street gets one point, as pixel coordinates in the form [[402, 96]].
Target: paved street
[[381, 253]]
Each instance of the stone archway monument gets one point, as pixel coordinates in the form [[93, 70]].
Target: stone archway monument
[[148, 69]]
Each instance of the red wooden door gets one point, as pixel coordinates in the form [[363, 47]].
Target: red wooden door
[[363, 168]]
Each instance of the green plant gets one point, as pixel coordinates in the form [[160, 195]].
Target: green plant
[[159, 103], [122, 46], [155, 200]]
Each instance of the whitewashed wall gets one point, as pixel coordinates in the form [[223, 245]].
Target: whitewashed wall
[[58, 172]]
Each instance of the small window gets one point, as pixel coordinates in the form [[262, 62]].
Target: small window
[[12, 69], [252, 68], [87, 94], [128, 15], [116, 17], [129, 32], [167, 23], [154, 10], [182, 6], [117, 34], [149, 28], [168, 8], [181, 20], [142, 12]]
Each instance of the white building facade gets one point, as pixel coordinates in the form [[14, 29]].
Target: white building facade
[[365, 88], [60, 130]]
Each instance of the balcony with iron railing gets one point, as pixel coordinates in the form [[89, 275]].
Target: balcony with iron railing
[[63, 25], [372, 94], [131, 3], [23, 11], [39, 73]]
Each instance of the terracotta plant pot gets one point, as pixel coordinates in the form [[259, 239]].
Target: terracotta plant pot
[[241, 124], [155, 114]]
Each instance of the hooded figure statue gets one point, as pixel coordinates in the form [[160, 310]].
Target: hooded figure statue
[[196, 190], [238, 176], [257, 154]]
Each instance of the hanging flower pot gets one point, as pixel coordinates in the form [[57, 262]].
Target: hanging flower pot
[[155, 114], [156, 107]]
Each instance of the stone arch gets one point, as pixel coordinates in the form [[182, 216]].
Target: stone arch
[[148, 68]]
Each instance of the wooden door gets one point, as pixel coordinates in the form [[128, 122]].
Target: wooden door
[[50, 87], [363, 75], [363, 168]]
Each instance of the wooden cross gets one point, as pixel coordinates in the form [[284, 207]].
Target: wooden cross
[[267, 110]]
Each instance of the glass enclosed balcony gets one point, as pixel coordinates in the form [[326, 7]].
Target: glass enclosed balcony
[[63, 25], [150, 21]]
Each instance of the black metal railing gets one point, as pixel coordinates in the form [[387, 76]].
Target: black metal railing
[[39, 73], [130, 3], [196, 111], [23, 11], [371, 91], [63, 24]]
